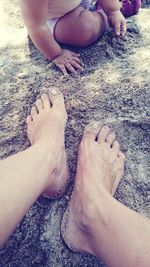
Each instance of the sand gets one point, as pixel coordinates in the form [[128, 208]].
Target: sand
[[113, 87]]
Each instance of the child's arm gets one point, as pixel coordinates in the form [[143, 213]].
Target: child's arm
[[35, 17], [115, 17], [110, 5]]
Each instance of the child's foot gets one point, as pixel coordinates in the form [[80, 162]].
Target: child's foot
[[100, 168], [45, 128], [130, 7]]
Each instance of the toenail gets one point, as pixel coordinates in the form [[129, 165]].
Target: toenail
[[94, 125], [44, 95], [54, 92], [106, 128]]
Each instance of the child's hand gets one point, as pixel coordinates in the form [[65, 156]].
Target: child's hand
[[118, 22], [68, 60]]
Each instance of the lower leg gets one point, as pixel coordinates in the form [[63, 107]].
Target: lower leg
[[39, 169], [87, 27], [121, 236], [24, 177], [95, 222]]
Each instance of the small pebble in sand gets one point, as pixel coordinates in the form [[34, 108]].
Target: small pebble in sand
[[23, 75], [6, 104], [15, 117]]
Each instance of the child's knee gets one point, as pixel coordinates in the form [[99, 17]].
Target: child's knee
[[92, 27]]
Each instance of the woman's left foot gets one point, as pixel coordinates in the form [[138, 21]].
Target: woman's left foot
[[45, 128]]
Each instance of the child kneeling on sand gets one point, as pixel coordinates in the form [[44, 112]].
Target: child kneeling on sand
[[52, 22]]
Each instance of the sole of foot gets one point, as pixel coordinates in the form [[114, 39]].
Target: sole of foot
[[99, 151], [46, 127]]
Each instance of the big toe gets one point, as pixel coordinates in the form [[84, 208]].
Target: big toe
[[56, 97], [91, 131]]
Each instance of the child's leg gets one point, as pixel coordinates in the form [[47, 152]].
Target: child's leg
[[130, 8], [80, 27]]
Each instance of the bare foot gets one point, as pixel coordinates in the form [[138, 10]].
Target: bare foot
[[100, 168], [45, 128]]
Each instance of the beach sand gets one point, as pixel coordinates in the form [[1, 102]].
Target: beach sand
[[114, 87]]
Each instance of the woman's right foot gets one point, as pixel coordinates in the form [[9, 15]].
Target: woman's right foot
[[100, 168]]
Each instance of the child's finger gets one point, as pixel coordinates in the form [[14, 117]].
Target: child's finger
[[63, 69], [75, 54], [76, 65], [117, 28], [76, 59], [79, 61], [71, 68], [123, 28]]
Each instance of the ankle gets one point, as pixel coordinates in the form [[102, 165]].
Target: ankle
[[94, 212], [93, 219], [49, 150]]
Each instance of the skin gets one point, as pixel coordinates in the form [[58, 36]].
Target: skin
[[115, 17], [88, 27], [40, 169], [95, 222]]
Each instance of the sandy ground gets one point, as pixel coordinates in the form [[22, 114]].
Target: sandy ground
[[114, 87]]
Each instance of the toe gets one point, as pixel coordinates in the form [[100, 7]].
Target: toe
[[103, 134], [116, 146], [91, 131], [33, 112], [29, 119], [46, 101], [110, 138], [56, 97], [121, 155], [39, 105], [116, 184]]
